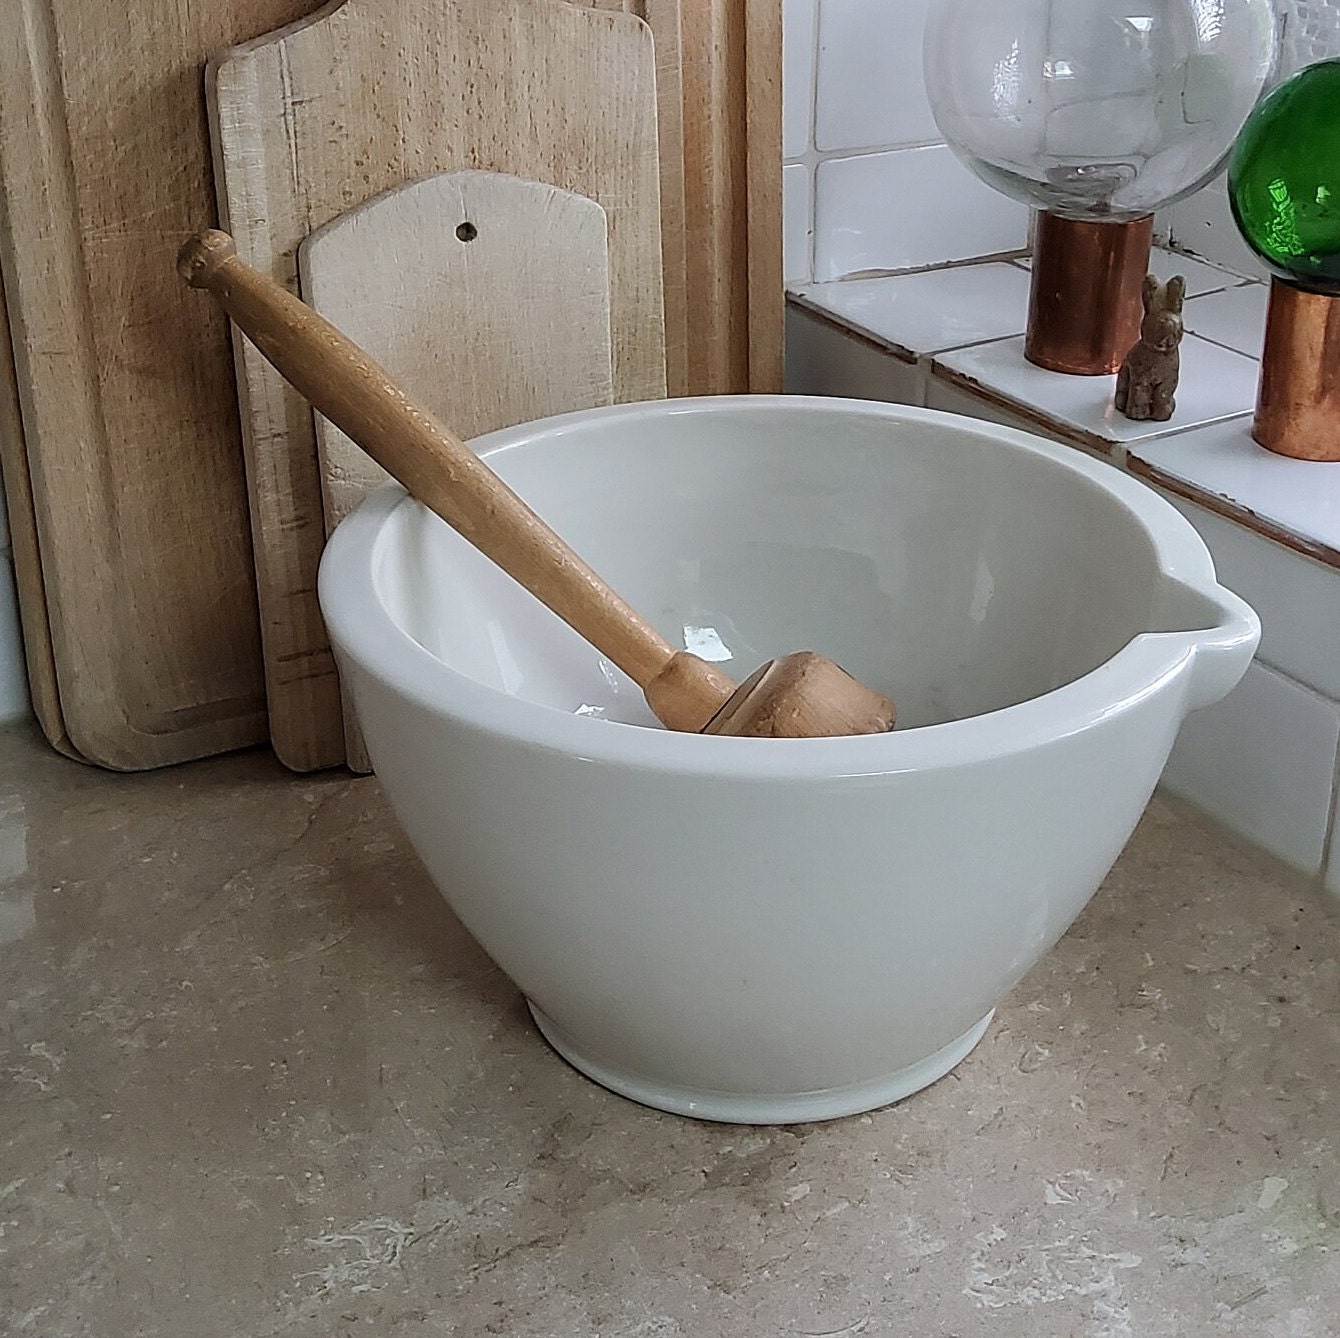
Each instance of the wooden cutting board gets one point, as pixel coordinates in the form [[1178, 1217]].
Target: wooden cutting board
[[131, 543], [362, 97], [732, 135], [719, 107], [485, 296], [663, 17], [766, 283]]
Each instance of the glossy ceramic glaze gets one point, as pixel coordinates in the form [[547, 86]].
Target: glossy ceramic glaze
[[779, 930]]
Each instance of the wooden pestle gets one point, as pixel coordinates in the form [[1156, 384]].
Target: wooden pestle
[[797, 695]]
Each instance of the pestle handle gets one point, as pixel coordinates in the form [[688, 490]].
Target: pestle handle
[[361, 398]]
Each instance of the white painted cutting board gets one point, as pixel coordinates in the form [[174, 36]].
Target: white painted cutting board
[[485, 296], [364, 96]]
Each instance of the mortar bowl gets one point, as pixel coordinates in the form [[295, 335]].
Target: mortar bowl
[[773, 930]]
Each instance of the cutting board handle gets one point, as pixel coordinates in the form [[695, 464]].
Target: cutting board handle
[[361, 398]]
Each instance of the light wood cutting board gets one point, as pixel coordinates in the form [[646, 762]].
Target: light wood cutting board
[[362, 97], [719, 107], [131, 545], [663, 17], [485, 296]]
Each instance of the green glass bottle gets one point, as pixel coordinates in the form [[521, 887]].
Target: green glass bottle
[[1284, 179]]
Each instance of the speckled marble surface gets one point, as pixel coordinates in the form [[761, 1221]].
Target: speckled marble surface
[[257, 1081]]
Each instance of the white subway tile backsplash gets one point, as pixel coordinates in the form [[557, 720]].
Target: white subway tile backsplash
[[1203, 224], [796, 217], [1235, 318], [907, 209], [1311, 32], [823, 360], [1200, 277], [1262, 761], [1297, 597], [870, 86], [798, 24]]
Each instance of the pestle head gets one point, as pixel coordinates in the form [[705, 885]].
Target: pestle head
[[203, 255], [802, 696]]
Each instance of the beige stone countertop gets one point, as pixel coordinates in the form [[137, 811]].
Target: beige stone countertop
[[256, 1080]]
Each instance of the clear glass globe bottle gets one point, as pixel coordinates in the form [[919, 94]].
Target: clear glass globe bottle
[[1099, 110]]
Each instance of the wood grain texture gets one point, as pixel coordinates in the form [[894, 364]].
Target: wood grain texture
[[485, 296], [125, 383], [719, 104], [732, 167], [362, 97], [507, 323], [663, 18], [763, 194], [714, 176]]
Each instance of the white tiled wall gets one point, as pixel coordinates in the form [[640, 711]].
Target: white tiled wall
[[1202, 223], [798, 234], [884, 194], [856, 106], [1264, 760], [871, 213], [800, 20], [1300, 637], [870, 92], [822, 360]]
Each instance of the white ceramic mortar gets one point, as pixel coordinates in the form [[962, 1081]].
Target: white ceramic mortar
[[780, 930]]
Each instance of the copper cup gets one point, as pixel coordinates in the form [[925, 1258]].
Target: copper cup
[[1084, 308], [1298, 404]]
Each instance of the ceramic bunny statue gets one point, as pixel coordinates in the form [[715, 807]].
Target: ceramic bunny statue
[[1147, 382]]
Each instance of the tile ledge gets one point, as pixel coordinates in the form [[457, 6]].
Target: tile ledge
[[1238, 512], [1243, 508], [803, 302]]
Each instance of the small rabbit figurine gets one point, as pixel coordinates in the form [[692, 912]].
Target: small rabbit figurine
[[1148, 378]]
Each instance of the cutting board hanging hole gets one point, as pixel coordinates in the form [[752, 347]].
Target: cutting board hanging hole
[[467, 232]]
